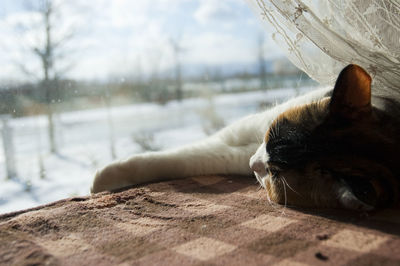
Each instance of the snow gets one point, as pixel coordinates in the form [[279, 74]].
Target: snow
[[83, 139]]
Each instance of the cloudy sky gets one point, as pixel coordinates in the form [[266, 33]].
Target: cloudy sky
[[127, 37]]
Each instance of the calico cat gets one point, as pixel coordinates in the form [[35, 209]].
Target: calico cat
[[329, 148]]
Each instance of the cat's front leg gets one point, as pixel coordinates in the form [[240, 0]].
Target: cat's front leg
[[146, 167], [136, 170], [208, 157]]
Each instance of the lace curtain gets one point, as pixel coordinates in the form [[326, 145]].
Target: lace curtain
[[322, 36]]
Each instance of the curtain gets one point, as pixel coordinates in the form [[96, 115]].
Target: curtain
[[322, 36]]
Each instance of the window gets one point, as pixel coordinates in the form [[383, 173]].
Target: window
[[83, 84]]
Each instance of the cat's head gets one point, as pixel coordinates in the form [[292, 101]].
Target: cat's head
[[338, 152]]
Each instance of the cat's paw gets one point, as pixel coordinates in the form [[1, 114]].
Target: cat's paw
[[114, 176]]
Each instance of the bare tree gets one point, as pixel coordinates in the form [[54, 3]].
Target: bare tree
[[261, 62], [177, 51], [49, 54]]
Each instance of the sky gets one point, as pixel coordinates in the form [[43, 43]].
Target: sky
[[132, 37]]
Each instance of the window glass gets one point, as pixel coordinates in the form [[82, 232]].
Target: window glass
[[83, 83]]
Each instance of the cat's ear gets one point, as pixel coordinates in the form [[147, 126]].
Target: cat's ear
[[351, 96]]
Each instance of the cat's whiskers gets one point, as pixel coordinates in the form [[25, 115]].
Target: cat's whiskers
[[287, 184], [284, 183], [284, 190], [274, 205], [271, 203], [266, 190]]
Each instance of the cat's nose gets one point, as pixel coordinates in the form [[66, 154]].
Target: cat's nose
[[256, 164]]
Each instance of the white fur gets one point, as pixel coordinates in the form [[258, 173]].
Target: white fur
[[226, 152], [258, 163]]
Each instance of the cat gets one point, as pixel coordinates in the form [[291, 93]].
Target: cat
[[329, 148]]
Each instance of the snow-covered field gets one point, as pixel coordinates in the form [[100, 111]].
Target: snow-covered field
[[84, 142]]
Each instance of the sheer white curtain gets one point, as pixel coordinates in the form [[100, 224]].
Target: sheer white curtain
[[322, 36]]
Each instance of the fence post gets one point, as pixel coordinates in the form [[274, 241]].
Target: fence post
[[8, 147]]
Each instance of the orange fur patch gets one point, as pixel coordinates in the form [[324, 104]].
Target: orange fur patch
[[297, 114]]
